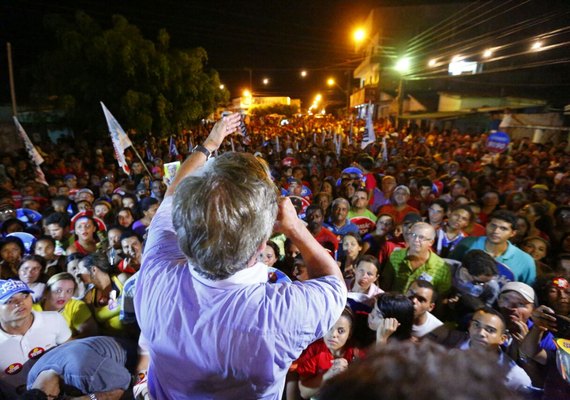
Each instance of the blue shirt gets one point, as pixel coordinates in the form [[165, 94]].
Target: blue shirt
[[93, 364], [343, 230], [233, 338], [520, 263]]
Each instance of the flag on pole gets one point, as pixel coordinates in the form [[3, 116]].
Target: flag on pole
[[384, 148], [368, 136], [173, 151], [148, 152], [35, 157], [120, 139]]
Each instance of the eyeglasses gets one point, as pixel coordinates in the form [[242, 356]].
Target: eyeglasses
[[421, 238]]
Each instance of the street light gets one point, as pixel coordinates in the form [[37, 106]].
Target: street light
[[403, 67], [331, 82], [265, 81], [303, 73], [359, 35], [222, 86]]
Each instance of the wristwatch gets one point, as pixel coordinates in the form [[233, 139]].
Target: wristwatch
[[202, 150]]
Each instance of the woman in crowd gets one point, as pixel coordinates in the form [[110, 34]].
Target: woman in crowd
[[327, 357], [148, 207], [125, 217], [351, 247], [489, 203], [86, 239], [58, 296], [11, 252], [363, 286], [271, 254], [538, 247], [374, 242], [540, 223], [45, 247], [523, 226], [392, 317], [103, 297], [30, 271]]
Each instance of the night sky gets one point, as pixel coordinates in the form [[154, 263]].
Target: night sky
[[275, 39]]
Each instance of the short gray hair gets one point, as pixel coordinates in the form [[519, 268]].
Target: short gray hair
[[224, 213], [340, 200]]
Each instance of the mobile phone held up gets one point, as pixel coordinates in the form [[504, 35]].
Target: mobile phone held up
[[563, 326]]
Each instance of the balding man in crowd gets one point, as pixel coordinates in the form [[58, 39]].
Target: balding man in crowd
[[417, 261]]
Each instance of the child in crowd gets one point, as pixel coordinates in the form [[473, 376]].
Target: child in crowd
[[327, 357]]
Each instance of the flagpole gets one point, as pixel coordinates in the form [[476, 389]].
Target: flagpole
[[142, 162], [11, 78]]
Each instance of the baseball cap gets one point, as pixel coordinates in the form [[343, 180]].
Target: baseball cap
[[411, 218], [402, 187], [10, 287], [521, 288], [84, 190]]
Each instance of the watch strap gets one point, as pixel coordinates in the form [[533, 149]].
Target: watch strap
[[202, 150]]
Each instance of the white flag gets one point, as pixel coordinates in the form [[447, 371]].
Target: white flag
[[35, 157], [368, 136], [120, 139]]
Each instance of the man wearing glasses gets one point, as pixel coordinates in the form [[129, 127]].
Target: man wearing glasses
[[417, 261]]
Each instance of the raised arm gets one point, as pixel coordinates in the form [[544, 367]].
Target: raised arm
[[223, 128], [318, 260]]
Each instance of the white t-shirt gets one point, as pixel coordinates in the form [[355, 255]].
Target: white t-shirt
[[431, 323], [48, 330]]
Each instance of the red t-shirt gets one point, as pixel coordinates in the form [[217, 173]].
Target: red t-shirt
[[325, 235], [317, 359]]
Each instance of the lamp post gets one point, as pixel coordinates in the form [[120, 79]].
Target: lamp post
[[331, 82], [403, 67]]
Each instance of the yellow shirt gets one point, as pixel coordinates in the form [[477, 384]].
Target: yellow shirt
[[75, 312]]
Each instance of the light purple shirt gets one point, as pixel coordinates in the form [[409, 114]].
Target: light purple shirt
[[234, 338]]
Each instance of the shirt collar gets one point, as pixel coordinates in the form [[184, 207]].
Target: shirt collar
[[253, 275]]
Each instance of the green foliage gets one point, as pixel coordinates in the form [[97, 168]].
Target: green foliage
[[147, 86], [281, 109]]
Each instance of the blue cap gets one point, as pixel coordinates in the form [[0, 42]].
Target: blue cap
[[10, 287]]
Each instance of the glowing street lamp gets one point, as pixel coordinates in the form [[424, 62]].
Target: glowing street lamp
[[359, 35], [403, 65], [331, 82], [536, 46], [222, 86], [303, 73], [265, 81], [318, 97], [246, 93], [487, 53]]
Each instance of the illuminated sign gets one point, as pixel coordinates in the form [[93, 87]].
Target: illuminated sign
[[460, 67]]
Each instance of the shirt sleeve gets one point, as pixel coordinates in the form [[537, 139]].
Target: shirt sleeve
[[162, 242], [80, 313]]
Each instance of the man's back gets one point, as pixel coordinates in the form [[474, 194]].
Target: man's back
[[233, 338]]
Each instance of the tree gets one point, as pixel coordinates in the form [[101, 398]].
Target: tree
[[148, 86]]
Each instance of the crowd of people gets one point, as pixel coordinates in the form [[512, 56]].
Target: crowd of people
[[432, 237]]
